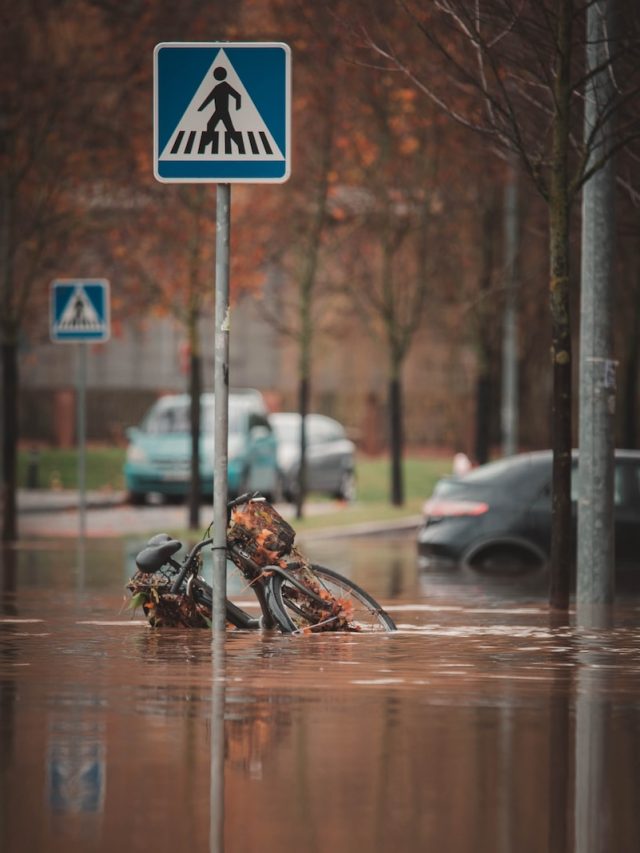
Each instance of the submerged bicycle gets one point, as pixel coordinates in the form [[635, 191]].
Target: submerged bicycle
[[294, 595]]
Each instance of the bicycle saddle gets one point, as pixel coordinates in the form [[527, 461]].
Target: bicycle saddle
[[159, 538], [154, 556]]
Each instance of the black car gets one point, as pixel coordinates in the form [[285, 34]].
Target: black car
[[498, 516]]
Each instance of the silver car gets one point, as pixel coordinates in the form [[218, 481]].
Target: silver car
[[330, 455]]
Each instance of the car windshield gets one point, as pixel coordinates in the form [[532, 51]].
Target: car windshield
[[175, 418], [287, 429], [510, 468]]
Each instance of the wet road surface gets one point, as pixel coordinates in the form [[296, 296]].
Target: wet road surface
[[479, 726]]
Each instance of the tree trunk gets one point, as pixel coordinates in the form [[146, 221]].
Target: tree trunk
[[485, 322], [559, 208], [307, 289], [9, 441], [396, 439], [195, 389], [630, 384], [303, 408], [561, 419], [484, 406], [509, 392], [630, 379], [197, 202]]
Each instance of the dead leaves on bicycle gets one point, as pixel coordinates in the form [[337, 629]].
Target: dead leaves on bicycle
[[261, 532], [163, 608]]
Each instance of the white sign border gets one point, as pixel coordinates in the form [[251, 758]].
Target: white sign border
[[224, 45], [106, 335]]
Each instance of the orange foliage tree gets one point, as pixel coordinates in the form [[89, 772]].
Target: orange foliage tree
[[394, 165], [520, 71], [58, 93]]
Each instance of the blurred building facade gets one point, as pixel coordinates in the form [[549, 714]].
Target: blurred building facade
[[349, 382]]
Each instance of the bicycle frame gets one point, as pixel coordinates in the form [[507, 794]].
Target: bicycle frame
[[251, 571]]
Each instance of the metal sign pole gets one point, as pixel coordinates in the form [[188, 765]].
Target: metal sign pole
[[221, 389], [595, 562], [82, 439]]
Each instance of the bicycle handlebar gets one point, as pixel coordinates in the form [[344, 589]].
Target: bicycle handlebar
[[243, 499]]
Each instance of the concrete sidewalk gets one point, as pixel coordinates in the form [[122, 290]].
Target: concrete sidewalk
[[55, 514], [49, 500]]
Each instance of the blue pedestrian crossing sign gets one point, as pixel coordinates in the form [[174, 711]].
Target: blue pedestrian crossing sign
[[222, 112], [80, 311]]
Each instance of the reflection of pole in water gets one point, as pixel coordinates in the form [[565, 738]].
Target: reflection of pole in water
[[395, 578], [81, 562], [559, 753], [592, 811], [507, 770], [216, 835], [9, 578]]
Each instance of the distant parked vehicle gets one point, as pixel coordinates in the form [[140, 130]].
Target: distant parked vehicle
[[330, 455], [159, 453], [498, 516]]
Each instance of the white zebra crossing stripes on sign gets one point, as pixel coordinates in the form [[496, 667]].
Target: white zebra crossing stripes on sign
[[196, 143]]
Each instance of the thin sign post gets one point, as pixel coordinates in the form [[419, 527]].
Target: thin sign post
[[81, 420], [80, 314], [221, 402], [221, 115]]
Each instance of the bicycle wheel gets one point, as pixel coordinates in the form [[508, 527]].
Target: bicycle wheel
[[348, 607]]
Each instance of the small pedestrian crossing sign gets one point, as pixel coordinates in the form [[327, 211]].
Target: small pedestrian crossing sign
[[222, 112], [80, 311]]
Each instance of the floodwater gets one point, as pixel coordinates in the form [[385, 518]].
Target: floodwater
[[479, 726]]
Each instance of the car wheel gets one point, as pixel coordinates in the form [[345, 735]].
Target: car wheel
[[505, 560], [277, 494], [137, 498], [289, 488], [347, 487]]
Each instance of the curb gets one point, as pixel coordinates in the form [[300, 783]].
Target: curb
[[40, 502], [366, 528]]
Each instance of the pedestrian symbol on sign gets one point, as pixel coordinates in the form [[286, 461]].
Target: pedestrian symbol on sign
[[220, 96], [79, 313]]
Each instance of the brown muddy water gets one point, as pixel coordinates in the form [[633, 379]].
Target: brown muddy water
[[479, 726]]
